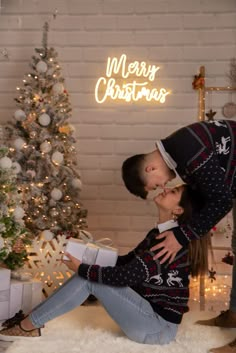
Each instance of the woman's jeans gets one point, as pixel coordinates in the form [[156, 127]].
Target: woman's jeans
[[128, 309]]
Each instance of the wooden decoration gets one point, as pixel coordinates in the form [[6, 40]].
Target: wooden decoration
[[45, 263]]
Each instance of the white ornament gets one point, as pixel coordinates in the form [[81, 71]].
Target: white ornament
[[31, 173], [55, 173], [20, 115], [229, 110], [1, 242], [5, 163], [18, 212], [56, 194], [16, 167], [44, 119], [19, 143], [57, 158], [52, 203], [50, 72], [41, 66], [47, 235], [58, 88], [45, 147], [76, 183]]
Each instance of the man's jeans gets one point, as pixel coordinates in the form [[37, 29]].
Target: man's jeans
[[128, 309]]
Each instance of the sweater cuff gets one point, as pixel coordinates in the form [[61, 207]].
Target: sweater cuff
[[181, 237], [83, 270]]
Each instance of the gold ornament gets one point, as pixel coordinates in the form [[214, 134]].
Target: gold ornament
[[65, 129]]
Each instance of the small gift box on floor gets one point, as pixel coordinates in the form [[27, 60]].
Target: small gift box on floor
[[5, 276], [90, 251], [24, 295]]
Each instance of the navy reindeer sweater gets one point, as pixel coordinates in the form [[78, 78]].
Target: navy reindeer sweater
[[165, 287], [203, 154]]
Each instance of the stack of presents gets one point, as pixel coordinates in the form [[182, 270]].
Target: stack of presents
[[16, 295]]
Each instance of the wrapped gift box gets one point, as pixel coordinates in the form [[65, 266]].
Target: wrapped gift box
[[5, 276], [106, 256], [24, 295], [91, 253]]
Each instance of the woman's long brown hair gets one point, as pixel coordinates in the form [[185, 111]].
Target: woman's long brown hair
[[192, 202]]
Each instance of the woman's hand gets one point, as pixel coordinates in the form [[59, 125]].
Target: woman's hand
[[73, 263], [169, 247]]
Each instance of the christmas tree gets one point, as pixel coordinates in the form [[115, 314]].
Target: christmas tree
[[13, 235], [42, 142]]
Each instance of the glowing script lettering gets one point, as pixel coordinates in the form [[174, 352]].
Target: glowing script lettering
[[119, 89]]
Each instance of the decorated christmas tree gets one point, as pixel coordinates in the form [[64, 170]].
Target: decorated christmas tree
[[13, 235], [42, 142]]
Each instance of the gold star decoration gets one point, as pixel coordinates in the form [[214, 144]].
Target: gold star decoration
[[210, 115], [212, 274]]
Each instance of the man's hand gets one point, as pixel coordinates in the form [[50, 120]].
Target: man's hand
[[73, 263], [170, 247]]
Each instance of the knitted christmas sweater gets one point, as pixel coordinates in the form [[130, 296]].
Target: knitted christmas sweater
[[203, 154], [164, 286]]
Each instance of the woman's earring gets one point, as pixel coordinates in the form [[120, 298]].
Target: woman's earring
[[174, 217]]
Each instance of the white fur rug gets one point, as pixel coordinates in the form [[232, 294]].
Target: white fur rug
[[89, 329]]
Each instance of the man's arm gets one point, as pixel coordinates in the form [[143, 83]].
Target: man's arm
[[210, 179]]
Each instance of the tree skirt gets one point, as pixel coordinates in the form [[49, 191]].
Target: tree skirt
[[89, 329]]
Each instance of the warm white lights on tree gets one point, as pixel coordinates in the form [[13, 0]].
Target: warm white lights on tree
[[41, 141]]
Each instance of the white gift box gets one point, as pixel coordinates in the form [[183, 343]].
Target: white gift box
[[5, 276], [24, 295], [106, 256], [90, 253]]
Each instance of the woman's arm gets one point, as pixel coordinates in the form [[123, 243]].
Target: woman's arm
[[130, 274]]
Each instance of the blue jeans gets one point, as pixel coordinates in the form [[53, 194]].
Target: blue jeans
[[127, 308], [232, 304]]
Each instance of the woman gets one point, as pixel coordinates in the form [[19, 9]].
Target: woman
[[146, 299]]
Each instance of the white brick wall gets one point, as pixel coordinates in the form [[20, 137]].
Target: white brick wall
[[177, 35]]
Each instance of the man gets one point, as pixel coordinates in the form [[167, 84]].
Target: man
[[203, 155]]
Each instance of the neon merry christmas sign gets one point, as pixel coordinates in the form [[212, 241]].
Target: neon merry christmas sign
[[116, 88]]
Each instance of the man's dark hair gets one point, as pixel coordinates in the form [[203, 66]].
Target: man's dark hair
[[131, 174]]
